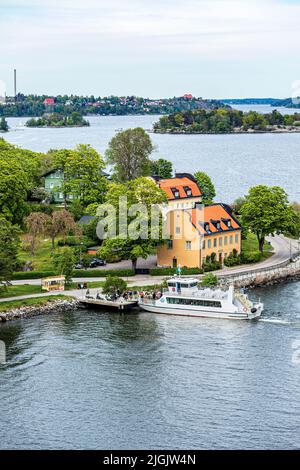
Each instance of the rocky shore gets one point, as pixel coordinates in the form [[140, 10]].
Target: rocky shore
[[56, 306]]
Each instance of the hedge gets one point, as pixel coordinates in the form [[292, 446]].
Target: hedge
[[77, 273], [172, 271]]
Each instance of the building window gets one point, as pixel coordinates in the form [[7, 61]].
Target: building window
[[188, 245], [61, 196], [236, 238], [231, 239], [170, 244], [215, 242], [208, 243], [203, 245], [177, 230], [225, 240], [220, 241], [51, 185]]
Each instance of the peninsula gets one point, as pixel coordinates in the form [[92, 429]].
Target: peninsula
[[224, 121]]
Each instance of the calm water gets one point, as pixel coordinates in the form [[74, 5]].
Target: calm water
[[97, 381], [106, 381], [235, 162]]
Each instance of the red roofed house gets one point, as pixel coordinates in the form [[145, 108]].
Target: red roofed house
[[48, 101], [196, 231], [188, 96]]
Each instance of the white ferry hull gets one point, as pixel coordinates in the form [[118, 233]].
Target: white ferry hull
[[200, 313]]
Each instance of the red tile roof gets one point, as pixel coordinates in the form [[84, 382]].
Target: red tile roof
[[205, 219], [179, 184], [48, 101]]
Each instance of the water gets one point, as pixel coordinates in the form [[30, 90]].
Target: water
[[235, 162], [106, 381], [96, 381]]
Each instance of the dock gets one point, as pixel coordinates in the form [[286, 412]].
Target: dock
[[119, 305]]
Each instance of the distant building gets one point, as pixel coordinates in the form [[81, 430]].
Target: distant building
[[53, 186], [188, 96], [48, 101]]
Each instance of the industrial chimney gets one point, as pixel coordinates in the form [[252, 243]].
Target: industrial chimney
[[15, 82]]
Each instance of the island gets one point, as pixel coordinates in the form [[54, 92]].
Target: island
[[36, 106], [225, 121], [58, 120]]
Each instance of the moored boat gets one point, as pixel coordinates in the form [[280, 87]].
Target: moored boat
[[183, 297]]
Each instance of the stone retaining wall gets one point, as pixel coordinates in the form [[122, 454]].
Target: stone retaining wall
[[264, 277], [56, 306]]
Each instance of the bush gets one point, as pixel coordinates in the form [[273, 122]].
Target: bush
[[209, 280], [211, 266], [232, 260], [31, 275], [77, 273], [114, 286], [251, 257], [172, 271]]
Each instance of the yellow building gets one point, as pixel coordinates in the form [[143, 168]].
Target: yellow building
[[197, 232]]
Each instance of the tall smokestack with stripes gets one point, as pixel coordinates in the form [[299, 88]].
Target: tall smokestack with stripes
[[15, 82]]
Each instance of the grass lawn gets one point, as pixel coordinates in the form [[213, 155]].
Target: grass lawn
[[42, 260], [4, 306], [15, 291], [251, 244]]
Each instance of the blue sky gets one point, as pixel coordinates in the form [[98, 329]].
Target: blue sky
[[211, 48]]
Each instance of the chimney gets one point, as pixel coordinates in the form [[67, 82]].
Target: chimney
[[15, 82]]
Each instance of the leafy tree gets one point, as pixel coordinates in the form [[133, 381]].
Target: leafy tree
[[114, 286], [14, 186], [267, 211], [162, 168], [60, 223], [9, 246], [206, 186], [209, 280], [3, 125], [129, 152], [141, 191], [64, 263], [36, 224], [82, 169]]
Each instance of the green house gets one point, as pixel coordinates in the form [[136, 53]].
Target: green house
[[53, 186]]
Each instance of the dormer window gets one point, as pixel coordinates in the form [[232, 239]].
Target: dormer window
[[176, 193], [229, 223], [188, 191], [218, 225]]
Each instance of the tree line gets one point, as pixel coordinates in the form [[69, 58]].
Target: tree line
[[220, 121]]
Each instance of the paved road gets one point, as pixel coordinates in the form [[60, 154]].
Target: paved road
[[283, 249]]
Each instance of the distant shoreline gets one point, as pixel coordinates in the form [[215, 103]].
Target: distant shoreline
[[294, 130]]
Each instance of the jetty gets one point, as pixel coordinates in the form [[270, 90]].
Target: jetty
[[119, 304]]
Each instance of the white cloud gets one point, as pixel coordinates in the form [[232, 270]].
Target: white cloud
[[81, 33]]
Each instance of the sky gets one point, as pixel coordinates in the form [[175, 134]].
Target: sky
[[151, 48]]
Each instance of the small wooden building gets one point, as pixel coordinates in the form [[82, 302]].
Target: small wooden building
[[53, 283]]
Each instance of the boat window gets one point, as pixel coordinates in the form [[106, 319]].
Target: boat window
[[194, 302], [171, 284]]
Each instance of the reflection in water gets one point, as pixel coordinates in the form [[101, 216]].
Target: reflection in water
[[97, 380]]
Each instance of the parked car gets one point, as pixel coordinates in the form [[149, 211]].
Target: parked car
[[97, 262], [78, 266]]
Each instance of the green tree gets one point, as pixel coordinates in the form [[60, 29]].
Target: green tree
[[61, 222], [129, 152], [124, 245], [82, 169], [114, 286], [162, 168], [206, 186], [209, 280], [267, 211], [64, 264], [9, 246], [3, 125], [36, 224], [14, 187]]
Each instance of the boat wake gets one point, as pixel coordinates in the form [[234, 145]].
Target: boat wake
[[275, 320]]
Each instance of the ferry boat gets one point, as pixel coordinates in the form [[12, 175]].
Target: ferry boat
[[183, 297]]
